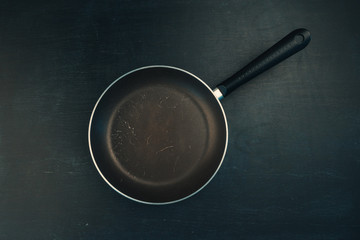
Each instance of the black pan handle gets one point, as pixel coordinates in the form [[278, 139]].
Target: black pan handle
[[289, 45]]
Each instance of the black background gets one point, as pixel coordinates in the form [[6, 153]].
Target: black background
[[292, 169]]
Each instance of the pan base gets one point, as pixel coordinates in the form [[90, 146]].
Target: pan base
[[158, 135]]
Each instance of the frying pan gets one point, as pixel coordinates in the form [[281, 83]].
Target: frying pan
[[159, 134]]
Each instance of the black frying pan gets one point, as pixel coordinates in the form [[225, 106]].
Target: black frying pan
[[159, 134]]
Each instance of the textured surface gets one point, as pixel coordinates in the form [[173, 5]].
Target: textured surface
[[292, 167]]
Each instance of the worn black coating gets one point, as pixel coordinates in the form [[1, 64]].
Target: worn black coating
[[158, 134]]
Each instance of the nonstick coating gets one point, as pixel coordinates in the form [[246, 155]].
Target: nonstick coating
[[158, 134]]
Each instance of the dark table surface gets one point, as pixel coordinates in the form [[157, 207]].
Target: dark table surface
[[292, 170]]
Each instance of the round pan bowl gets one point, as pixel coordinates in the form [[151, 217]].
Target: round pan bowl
[[158, 134]]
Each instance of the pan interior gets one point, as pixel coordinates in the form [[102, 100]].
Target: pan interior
[[159, 135]]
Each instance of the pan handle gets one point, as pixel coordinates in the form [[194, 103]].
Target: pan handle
[[289, 45]]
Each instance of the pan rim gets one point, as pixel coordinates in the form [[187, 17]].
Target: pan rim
[[142, 201]]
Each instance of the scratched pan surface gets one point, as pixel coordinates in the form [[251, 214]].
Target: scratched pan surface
[[159, 134]]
